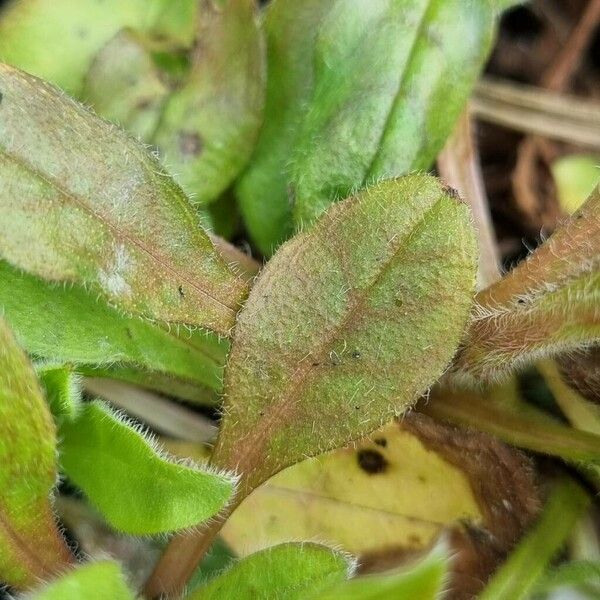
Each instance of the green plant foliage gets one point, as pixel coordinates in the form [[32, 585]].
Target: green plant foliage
[[62, 386], [200, 104], [117, 223], [347, 325], [572, 574], [71, 326], [290, 571], [290, 29], [381, 85], [576, 176], [517, 577], [137, 489], [125, 85], [31, 548], [209, 125], [546, 305], [94, 581], [77, 30], [424, 581]]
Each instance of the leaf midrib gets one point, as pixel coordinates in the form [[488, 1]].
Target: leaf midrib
[[117, 234], [253, 443]]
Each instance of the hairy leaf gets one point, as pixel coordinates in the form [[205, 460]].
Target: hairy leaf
[[83, 202], [516, 579], [95, 581], [31, 548], [425, 580], [70, 326], [63, 388], [76, 31], [138, 490], [382, 84], [549, 303], [348, 324], [290, 29], [209, 125], [290, 571]]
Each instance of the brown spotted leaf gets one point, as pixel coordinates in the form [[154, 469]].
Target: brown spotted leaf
[[83, 202], [31, 548], [347, 325]]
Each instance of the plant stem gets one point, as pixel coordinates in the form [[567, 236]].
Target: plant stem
[[517, 577], [459, 166], [182, 556], [524, 427]]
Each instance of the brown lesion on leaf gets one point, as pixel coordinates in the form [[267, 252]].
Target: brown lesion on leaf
[[190, 144], [372, 461], [504, 486]]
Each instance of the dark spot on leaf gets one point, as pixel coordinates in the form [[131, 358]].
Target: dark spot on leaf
[[450, 191], [143, 104], [316, 364], [190, 143], [181, 292], [356, 354], [371, 461], [422, 478], [1, 97], [128, 332], [381, 442], [520, 301]]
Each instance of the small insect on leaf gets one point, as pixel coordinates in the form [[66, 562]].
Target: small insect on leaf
[[138, 490], [290, 571], [347, 325], [31, 547], [83, 202]]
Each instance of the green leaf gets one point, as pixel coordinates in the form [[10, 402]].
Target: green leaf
[[383, 85], [135, 487], [76, 31], [63, 388], [31, 548], [209, 125], [290, 571], [125, 85], [70, 326], [95, 581], [516, 579], [347, 325], [547, 305], [290, 28], [576, 176], [83, 202], [572, 574], [425, 581]]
